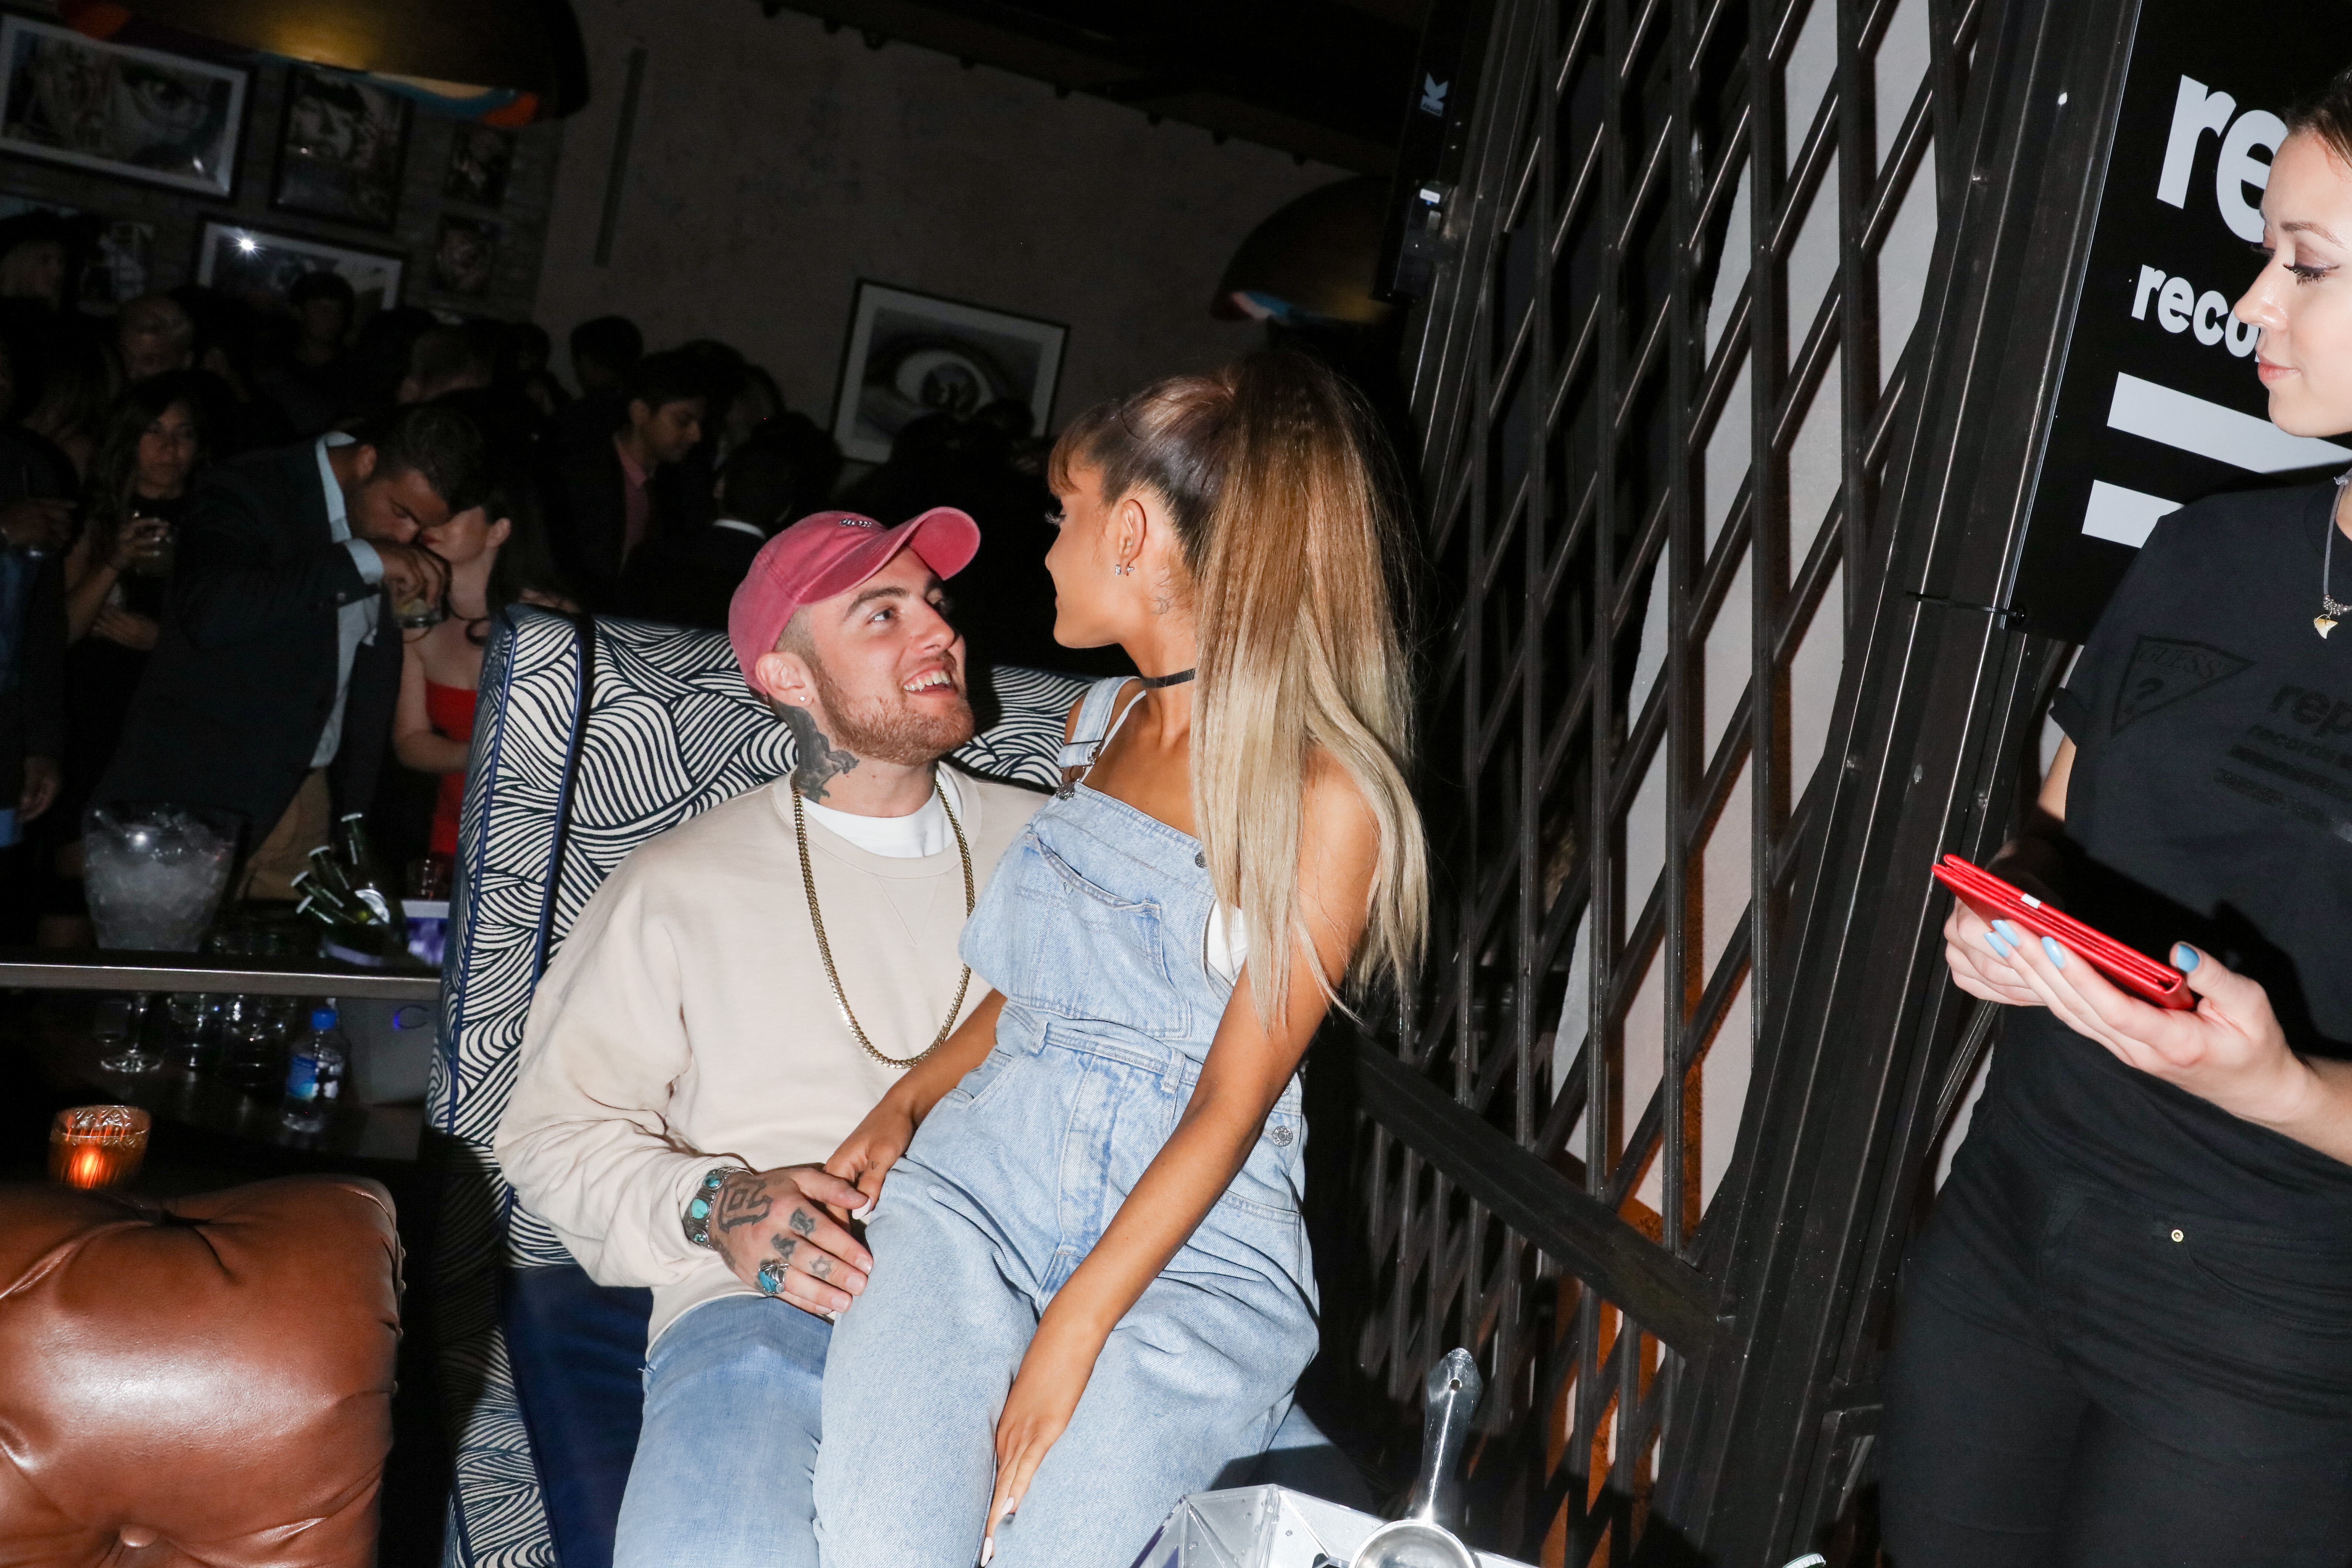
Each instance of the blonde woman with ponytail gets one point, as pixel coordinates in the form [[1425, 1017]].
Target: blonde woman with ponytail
[[1091, 1287]]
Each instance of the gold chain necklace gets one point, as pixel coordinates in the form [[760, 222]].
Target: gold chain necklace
[[825, 949]]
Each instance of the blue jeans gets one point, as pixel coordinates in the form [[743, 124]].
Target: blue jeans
[[721, 1474], [1197, 1374]]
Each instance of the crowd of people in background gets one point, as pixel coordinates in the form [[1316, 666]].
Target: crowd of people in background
[[643, 489]]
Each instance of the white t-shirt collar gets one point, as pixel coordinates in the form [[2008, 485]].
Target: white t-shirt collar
[[924, 831]]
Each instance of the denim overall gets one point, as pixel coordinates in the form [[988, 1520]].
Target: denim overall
[[1093, 928]]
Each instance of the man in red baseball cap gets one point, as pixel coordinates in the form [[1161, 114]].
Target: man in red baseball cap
[[869, 648], [735, 998]]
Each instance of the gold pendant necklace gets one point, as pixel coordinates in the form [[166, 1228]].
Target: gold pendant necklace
[[825, 949]]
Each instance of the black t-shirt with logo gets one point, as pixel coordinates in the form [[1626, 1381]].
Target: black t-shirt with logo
[[2212, 801]]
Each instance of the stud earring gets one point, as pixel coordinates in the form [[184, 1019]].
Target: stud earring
[[1119, 571]]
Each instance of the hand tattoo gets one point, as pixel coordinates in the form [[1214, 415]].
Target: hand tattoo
[[819, 758], [803, 1222], [821, 1268], [743, 1200]]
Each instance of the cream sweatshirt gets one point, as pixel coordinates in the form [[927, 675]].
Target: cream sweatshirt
[[688, 1018]]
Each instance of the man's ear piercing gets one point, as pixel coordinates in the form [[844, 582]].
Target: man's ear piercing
[[1119, 571]]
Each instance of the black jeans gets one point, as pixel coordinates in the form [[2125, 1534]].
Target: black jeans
[[2075, 1385]]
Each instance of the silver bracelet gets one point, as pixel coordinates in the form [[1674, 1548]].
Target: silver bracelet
[[697, 1218]]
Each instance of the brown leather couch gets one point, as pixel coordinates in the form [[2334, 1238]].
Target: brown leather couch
[[206, 1382]]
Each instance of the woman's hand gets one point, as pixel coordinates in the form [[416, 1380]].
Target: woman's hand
[[2229, 1051], [137, 542], [1037, 1410], [866, 1156], [43, 779], [128, 627], [1979, 963]]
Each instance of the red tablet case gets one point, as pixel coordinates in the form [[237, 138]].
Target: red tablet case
[[2134, 971]]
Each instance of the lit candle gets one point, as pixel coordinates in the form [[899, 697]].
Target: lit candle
[[98, 1145]]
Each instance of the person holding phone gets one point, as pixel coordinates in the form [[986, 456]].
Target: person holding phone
[[2126, 1334]]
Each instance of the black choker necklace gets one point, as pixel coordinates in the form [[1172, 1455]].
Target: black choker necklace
[[1155, 682]]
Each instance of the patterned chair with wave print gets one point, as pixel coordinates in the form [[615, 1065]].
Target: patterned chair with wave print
[[593, 736]]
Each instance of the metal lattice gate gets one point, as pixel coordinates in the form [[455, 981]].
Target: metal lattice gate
[[1661, 385]]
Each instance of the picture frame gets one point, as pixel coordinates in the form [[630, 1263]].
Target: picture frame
[[343, 144], [464, 254], [481, 161], [908, 353], [259, 267], [133, 113]]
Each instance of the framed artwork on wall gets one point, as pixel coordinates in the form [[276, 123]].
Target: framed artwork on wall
[[139, 114], [480, 158], [340, 149], [463, 255], [909, 354], [259, 267]]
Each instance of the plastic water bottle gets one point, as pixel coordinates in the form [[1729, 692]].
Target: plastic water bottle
[[315, 1070]]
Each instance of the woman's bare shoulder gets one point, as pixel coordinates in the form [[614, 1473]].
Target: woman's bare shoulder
[[1333, 811]]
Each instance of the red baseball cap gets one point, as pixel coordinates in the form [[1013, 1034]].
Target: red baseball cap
[[832, 552]]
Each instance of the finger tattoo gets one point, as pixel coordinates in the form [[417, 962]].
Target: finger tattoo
[[803, 1222], [821, 1268], [785, 1246]]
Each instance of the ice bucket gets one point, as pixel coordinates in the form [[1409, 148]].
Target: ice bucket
[[154, 872], [1267, 1526]]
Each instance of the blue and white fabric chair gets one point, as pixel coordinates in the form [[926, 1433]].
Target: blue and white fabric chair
[[592, 737]]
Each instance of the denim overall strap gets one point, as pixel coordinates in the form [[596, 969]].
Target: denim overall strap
[[1098, 720]]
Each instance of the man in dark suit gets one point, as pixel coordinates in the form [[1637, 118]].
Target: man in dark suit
[[272, 688], [784, 472], [600, 495]]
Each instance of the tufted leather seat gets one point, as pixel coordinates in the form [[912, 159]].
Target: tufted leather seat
[[204, 1382]]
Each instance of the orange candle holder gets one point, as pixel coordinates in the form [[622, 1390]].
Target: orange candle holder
[[98, 1145]]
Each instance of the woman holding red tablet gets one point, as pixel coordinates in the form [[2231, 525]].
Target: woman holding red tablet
[[2126, 1337]]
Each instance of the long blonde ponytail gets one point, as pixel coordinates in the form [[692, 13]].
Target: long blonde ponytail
[[1272, 469]]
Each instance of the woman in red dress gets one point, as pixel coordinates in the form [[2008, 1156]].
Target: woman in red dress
[[497, 555]]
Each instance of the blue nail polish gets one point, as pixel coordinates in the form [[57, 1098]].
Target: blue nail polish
[[2184, 957], [1999, 948], [2057, 954], [2010, 933]]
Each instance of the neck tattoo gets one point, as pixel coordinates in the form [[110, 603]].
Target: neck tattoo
[[817, 759]]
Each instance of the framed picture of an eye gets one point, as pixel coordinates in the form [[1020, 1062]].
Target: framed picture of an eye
[[138, 114], [911, 355]]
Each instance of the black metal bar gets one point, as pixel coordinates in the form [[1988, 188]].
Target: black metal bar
[[46, 969], [617, 175], [1856, 1043], [1666, 1296]]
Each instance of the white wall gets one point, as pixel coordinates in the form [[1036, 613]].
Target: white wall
[[774, 164]]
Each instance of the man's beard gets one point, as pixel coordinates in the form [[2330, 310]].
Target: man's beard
[[889, 731]]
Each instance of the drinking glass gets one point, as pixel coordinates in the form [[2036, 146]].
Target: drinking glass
[[252, 1044], [195, 1016], [156, 557]]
